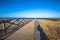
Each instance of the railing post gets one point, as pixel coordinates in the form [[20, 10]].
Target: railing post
[[4, 26], [23, 22]]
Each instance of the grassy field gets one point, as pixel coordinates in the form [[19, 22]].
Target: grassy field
[[51, 28]]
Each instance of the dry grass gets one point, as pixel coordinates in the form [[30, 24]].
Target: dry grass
[[51, 29]]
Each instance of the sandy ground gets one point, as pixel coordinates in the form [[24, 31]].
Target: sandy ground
[[24, 33]]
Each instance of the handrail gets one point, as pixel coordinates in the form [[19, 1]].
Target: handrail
[[6, 32]]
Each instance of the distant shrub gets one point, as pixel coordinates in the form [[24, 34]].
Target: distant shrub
[[53, 19]]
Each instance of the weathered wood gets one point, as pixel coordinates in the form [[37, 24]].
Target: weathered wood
[[4, 26]]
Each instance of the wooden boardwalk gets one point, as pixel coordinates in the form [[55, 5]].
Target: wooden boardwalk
[[24, 33]]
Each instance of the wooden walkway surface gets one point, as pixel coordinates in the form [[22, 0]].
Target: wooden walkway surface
[[24, 33]]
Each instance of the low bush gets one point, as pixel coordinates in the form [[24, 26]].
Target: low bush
[[53, 19]]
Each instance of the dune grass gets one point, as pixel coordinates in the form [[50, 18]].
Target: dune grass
[[51, 29]]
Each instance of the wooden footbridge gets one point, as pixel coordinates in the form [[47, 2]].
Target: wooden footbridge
[[21, 29]]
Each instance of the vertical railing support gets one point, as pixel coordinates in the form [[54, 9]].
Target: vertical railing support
[[4, 26]]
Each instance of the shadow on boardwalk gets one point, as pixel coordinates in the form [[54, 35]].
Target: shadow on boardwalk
[[10, 32], [42, 34]]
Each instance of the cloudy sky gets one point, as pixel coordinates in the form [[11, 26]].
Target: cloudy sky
[[30, 8]]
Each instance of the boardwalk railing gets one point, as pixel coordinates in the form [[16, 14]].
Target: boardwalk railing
[[13, 25]]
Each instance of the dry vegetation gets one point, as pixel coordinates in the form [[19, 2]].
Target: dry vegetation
[[51, 29]]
